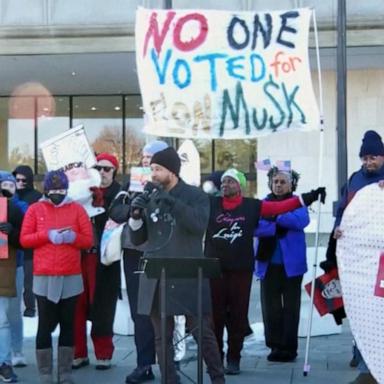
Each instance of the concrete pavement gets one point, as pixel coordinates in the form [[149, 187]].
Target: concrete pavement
[[329, 359]]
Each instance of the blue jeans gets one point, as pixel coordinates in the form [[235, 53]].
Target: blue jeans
[[5, 331], [14, 314]]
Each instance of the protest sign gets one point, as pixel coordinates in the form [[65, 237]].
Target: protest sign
[[69, 147], [219, 74], [139, 177], [3, 237]]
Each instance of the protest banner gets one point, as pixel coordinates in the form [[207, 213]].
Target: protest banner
[[359, 258], [224, 74], [3, 237]]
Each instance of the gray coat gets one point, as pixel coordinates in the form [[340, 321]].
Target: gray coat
[[184, 240]]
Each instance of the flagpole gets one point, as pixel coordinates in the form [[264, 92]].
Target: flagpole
[[307, 366]]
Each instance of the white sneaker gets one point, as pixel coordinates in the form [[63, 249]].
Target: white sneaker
[[103, 364], [18, 360]]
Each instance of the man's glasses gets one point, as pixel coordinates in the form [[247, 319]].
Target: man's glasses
[[105, 168], [18, 180]]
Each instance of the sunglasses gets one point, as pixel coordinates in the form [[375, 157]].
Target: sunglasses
[[21, 180], [105, 168]]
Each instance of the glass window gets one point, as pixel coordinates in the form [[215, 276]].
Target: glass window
[[102, 120], [239, 154], [16, 132], [134, 135], [53, 119]]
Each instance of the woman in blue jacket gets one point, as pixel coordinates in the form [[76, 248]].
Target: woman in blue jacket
[[281, 264]]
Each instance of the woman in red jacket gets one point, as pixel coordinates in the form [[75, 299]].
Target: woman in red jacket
[[57, 229]]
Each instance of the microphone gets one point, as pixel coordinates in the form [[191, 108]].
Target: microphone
[[149, 190]]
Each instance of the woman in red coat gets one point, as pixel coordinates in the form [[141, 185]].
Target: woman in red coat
[[57, 229]]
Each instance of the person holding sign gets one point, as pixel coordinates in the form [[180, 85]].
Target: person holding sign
[[11, 218], [57, 229], [233, 219], [143, 328], [281, 264]]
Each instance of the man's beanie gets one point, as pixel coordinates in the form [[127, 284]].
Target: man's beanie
[[168, 158], [7, 176], [154, 147], [55, 180], [237, 175], [372, 145], [107, 156]]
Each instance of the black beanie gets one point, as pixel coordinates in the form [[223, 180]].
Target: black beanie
[[168, 158], [372, 145]]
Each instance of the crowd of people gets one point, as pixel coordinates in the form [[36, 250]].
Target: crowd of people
[[71, 285]]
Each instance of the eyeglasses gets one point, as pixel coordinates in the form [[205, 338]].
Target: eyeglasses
[[105, 168], [18, 180]]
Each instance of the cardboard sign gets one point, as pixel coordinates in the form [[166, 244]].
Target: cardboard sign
[[328, 294], [224, 74], [69, 147], [3, 237]]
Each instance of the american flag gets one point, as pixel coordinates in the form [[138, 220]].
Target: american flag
[[283, 165], [263, 165]]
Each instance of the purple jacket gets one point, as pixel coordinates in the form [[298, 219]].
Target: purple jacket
[[293, 246]]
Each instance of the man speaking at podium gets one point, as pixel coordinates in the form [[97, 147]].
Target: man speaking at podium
[[171, 221]]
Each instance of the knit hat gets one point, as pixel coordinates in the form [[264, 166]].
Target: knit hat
[[109, 157], [168, 158], [7, 176], [154, 147], [237, 175], [55, 180], [372, 144]]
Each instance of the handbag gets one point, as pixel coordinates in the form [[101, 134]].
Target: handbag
[[110, 246]]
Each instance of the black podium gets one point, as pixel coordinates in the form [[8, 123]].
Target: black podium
[[182, 268]]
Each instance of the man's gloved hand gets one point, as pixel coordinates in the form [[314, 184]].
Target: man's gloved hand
[[55, 237], [163, 197], [139, 203], [6, 228], [69, 236], [97, 197], [312, 196]]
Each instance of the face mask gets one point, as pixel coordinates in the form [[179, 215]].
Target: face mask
[[6, 193], [56, 198]]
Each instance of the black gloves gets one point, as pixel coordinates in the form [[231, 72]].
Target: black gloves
[[312, 196], [139, 203], [163, 197], [6, 228]]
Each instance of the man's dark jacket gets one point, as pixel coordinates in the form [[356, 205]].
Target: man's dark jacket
[[190, 213]]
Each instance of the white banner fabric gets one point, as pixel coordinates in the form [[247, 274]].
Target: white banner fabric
[[358, 255], [224, 74]]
